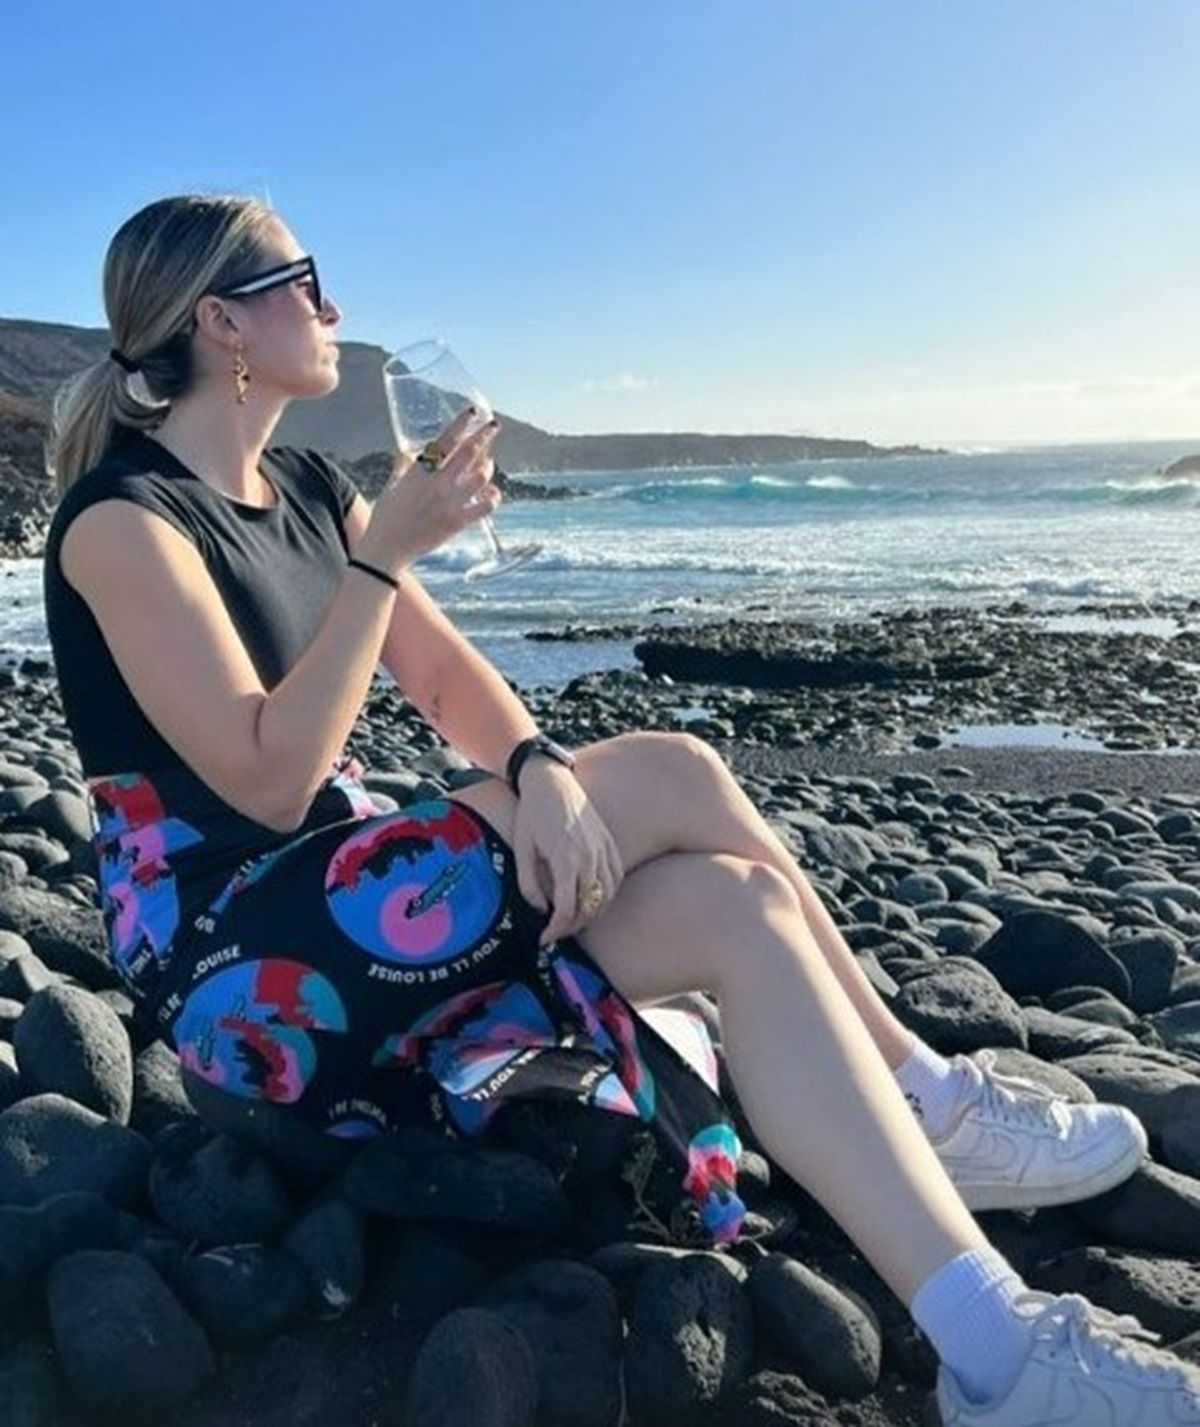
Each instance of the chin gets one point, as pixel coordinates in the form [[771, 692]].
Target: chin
[[322, 382]]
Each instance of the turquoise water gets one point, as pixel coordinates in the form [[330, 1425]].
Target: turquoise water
[[838, 538]]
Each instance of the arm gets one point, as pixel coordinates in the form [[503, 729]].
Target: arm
[[152, 596], [448, 681]]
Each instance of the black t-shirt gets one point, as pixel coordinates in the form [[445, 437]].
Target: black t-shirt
[[166, 843]]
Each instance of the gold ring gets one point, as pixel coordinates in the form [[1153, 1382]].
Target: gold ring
[[590, 901], [431, 456]]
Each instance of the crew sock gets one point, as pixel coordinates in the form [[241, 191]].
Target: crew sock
[[966, 1309], [931, 1085]]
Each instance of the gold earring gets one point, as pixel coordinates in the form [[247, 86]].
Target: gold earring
[[241, 376]]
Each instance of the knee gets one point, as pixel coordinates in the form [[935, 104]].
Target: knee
[[680, 755], [697, 751], [746, 898], [767, 888], [753, 888]]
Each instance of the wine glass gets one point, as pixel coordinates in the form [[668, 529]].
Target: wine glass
[[427, 387]]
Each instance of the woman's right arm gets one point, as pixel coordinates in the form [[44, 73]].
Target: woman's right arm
[[172, 638]]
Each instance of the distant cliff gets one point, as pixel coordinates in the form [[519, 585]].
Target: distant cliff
[[35, 357], [351, 424], [25, 491]]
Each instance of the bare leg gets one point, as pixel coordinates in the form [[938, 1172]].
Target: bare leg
[[716, 801], [668, 792], [810, 1078]]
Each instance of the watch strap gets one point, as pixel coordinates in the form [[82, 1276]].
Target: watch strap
[[538, 743]]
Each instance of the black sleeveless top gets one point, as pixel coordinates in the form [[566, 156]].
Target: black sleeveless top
[[167, 846]]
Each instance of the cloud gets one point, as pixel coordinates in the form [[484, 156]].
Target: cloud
[[623, 382]]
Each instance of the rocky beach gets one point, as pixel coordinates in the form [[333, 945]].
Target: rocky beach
[[1040, 899]]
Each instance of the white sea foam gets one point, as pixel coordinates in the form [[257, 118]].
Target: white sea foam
[[831, 483]]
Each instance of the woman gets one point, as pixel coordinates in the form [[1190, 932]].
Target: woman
[[217, 611]]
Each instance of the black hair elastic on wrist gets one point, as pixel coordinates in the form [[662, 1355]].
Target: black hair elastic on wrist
[[379, 574]]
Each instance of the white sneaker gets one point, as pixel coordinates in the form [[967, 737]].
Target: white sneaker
[[1084, 1369], [1016, 1145]]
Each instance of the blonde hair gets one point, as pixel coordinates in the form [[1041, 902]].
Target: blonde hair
[[159, 264]]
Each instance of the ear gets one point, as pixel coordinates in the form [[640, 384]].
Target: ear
[[216, 319]]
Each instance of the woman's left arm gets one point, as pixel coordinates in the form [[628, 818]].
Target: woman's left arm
[[446, 679], [561, 845], [469, 702]]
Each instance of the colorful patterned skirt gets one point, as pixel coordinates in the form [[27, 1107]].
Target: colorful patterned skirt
[[385, 970]]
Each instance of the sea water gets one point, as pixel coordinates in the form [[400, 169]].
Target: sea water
[[821, 540]]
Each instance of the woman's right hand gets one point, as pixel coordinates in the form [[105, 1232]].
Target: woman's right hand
[[417, 510]]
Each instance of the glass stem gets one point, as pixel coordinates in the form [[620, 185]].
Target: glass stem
[[490, 531]]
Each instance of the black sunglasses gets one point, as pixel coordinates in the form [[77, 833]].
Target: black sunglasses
[[305, 267]]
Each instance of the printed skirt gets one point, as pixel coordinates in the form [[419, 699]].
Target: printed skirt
[[385, 970]]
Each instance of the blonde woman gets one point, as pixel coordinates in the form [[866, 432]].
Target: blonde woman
[[217, 608]]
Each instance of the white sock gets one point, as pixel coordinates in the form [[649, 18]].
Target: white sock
[[931, 1085], [965, 1308]]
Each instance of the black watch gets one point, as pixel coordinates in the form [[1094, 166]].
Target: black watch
[[539, 743]]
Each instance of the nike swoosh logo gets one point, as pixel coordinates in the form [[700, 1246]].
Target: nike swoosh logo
[[993, 1151]]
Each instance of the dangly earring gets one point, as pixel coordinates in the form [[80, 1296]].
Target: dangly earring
[[241, 376]]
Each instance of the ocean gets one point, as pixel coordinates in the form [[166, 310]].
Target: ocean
[[824, 540]]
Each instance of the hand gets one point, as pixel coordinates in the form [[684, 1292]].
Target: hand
[[558, 828], [418, 509]]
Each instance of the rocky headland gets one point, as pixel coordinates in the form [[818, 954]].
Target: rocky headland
[[1182, 469]]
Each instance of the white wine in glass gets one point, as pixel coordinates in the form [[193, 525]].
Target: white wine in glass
[[427, 387]]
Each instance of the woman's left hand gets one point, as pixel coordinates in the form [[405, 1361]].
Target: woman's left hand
[[557, 826]]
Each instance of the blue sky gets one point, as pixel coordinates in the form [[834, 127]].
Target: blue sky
[[970, 222]]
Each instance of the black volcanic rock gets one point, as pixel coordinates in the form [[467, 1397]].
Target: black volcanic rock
[[832, 1341], [568, 1312], [474, 1368], [792, 654], [26, 498], [1035, 952], [691, 1342], [1183, 468], [105, 1308], [371, 473], [682, 660], [69, 1041], [242, 1291], [50, 1145], [918, 873]]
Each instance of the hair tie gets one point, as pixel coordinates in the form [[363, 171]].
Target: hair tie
[[122, 360]]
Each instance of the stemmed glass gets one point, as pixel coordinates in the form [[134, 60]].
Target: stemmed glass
[[427, 387]]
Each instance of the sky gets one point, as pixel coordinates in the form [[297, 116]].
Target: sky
[[971, 223]]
